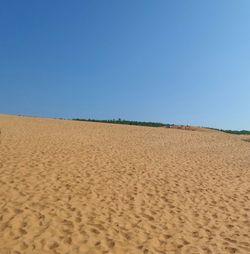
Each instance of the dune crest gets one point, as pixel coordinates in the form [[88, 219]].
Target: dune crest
[[82, 187]]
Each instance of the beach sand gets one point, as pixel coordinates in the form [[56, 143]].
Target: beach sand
[[81, 187]]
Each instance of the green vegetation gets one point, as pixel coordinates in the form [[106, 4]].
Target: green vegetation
[[155, 124], [242, 132], [127, 122]]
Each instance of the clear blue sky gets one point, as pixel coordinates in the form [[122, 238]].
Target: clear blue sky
[[174, 61]]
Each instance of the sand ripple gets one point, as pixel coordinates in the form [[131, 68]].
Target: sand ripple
[[79, 187]]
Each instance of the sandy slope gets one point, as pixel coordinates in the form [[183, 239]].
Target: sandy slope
[[77, 187]]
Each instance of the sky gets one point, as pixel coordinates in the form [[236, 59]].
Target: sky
[[171, 61]]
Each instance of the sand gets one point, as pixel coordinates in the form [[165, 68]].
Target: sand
[[80, 187]]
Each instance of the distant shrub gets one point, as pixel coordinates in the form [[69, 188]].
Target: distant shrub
[[126, 122], [242, 132], [155, 124]]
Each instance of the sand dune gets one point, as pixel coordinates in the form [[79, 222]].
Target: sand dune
[[81, 187]]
